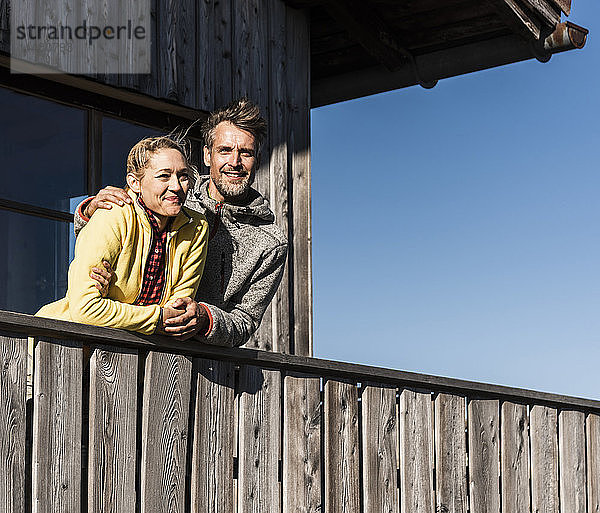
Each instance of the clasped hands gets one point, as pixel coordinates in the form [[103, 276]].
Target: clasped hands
[[181, 318]]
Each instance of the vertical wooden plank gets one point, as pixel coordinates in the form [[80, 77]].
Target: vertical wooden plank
[[250, 62], [5, 26], [206, 54], [223, 51], [298, 94], [483, 434], [57, 407], [515, 458], [379, 449], [592, 432], [13, 362], [112, 430], [302, 445], [279, 161], [135, 10], [251, 79], [166, 72], [416, 452], [148, 84], [184, 37], [212, 452], [571, 446], [260, 440], [544, 459], [164, 432], [341, 458], [450, 453]]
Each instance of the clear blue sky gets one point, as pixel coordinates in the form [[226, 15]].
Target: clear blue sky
[[456, 231]]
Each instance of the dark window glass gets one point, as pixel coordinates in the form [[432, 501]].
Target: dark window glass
[[118, 137], [33, 261], [42, 151]]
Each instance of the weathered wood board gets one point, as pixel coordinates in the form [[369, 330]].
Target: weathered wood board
[[57, 411], [572, 469], [451, 453], [298, 140], [592, 432], [483, 419], [514, 434], [342, 476], [165, 410], [302, 444], [544, 459], [379, 448], [112, 430], [13, 365], [259, 440], [213, 447], [416, 452]]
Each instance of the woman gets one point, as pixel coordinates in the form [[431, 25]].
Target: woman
[[156, 247]]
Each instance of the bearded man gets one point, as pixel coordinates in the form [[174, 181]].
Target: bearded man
[[246, 250]]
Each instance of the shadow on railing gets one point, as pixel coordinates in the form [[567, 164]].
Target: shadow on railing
[[126, 423]]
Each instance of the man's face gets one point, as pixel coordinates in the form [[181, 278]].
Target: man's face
[[232, 161]]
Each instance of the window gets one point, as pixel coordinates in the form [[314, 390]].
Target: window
[[117, 139], [51, 158]]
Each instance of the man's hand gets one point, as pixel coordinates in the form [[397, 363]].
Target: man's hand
[[193, 320], [103, 275], [168, 312], [105, 199]]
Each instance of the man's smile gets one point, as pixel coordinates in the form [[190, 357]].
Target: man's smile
[[173, 199], [231, 173]]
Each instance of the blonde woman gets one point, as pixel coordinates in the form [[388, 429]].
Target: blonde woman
[[156, 247]]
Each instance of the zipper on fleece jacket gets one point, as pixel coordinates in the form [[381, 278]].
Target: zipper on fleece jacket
[[218, 213], [170, 237]]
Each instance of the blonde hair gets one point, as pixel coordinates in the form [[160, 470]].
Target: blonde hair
[[141, 153]]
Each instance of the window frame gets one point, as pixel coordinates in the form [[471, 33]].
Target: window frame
[[97, 100]]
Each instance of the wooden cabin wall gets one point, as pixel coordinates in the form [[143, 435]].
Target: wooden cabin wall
[[204, 53]]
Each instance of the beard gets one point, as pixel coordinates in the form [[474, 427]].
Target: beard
[[233, 191]]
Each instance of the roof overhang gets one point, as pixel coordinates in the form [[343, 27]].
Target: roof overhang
[[363, 47]]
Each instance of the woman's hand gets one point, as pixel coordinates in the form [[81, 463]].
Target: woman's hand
[[103, 276], [105, 199]]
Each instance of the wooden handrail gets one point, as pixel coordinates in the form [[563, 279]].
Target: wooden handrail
[[36, 326]]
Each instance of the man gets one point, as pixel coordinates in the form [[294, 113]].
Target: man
[[246, 250]]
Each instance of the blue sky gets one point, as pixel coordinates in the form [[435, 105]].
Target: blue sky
[[456, 230]]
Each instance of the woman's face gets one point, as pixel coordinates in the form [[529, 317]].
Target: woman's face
[[164, 185]]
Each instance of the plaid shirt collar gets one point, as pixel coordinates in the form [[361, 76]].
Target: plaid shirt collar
[[152, 219], [153, 282]]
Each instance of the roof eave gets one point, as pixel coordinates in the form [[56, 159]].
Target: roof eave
[[429, 68]]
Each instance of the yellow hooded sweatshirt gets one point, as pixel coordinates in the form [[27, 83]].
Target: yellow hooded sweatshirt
[[122, 236]]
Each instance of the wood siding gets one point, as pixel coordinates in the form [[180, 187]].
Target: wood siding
[[204, 54], [232, 430]]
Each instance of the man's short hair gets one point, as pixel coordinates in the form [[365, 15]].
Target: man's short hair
[[242, 113]]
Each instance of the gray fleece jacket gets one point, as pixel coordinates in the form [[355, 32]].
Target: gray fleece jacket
[[244, 265]]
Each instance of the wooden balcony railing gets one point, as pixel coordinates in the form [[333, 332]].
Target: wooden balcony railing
[[124, 423]]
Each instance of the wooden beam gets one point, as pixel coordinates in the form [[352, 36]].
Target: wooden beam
[[104, 94], [303, 4], [435, 65], [12, 323], [549, 13], [366, 27], [517, 18], [565, 5]]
